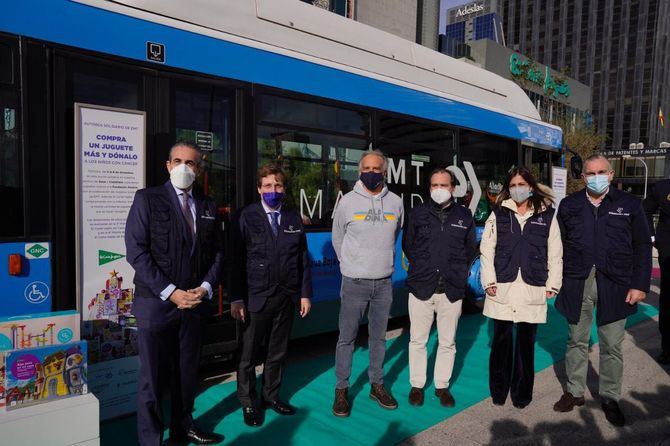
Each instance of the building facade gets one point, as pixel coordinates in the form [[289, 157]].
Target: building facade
[[620, 48]]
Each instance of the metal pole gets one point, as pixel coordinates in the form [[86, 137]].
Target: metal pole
[[646, 175]]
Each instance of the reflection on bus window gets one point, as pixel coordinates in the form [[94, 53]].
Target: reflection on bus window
[[321, 169], [11, 188], [203, 115], [491, 158]]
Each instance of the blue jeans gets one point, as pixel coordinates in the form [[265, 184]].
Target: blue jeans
[[356, 295]]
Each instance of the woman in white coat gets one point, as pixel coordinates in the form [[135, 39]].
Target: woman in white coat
[[522, 267]]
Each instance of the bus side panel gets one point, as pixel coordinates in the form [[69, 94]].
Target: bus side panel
[[326, 280], [30, 291]]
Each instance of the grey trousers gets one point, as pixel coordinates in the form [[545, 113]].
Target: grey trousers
[[356, 296], [610, 338]]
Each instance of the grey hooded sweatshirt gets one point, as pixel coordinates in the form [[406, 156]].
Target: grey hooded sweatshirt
[[365, 228]]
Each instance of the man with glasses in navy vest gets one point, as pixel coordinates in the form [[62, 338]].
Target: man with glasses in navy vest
[[607, 266], [269, 280]]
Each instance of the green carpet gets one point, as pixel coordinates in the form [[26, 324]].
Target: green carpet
[[309, 385]]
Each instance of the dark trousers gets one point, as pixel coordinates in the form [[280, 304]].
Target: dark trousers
[[169, 353], [512, 362], [265, 339], [664, 302]]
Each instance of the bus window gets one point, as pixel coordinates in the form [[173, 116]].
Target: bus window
[[321, 168], [11, 187], [319, 146], [414, 150], [491, 158], [203, 114]]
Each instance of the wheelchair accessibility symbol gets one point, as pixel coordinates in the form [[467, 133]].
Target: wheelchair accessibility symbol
[[36, 292]]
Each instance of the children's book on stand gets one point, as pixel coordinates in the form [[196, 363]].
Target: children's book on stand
[[41, 374], [36, 330]]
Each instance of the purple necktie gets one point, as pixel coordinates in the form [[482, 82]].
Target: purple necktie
[[186, 210]]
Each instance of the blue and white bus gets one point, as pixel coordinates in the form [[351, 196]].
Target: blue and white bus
[[266, 80]]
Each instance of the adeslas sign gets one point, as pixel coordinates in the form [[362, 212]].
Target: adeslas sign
[[469, 9]]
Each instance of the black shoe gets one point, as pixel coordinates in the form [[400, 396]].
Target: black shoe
[[379, 393], [341, 403], [520, 405], [196, 436], [613, 413], [446, 399], [252, 416], [664, 358], [280, 407], [498, 402], [416, 396], [568, 402]]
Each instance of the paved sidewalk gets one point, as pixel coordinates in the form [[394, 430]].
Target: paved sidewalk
[[645, 402]]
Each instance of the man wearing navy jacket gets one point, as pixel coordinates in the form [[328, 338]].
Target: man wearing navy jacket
[[269, 279], [174, 244], [439, 241], [607, 265], [659, 199]]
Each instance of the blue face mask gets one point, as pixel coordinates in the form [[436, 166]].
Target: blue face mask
[[273, 199], [372, 180], [598, 183]]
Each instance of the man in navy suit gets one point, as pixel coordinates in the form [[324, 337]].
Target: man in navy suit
[[174, 243], [269, 279]]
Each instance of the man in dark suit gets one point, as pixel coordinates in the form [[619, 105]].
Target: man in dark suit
[[174, 243], [269, 279], [659, 199]]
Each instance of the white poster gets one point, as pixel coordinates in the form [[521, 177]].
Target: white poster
[[559, 183], [110, 168]]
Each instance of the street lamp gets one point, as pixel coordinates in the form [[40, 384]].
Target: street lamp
[[646, 169]]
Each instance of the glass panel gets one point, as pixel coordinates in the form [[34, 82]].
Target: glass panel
[[491, 159], [107, 91], [203, 114], [659, 170], [321, 167], [11, 187], [278, 110], [540, 165]]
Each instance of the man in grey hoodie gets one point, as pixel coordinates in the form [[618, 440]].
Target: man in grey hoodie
[[365, 227]]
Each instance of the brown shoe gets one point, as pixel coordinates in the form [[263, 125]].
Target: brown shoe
[[341, 404], [446, 399], [379, 393], [416, 396], [568, 402]]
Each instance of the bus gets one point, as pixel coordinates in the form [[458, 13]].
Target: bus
[[251, 81]]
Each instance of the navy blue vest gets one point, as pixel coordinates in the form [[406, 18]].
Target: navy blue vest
[[439, 249], [274, 264], [525, 249]]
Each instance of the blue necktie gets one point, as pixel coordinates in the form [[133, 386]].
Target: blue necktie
[[274, 222]]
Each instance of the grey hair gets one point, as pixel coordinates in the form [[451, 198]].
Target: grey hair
[[598, 156], [378, 153], [190, 145]]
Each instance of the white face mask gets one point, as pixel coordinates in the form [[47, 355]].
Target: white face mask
[[182, 177], [519, 193], [440, 196]]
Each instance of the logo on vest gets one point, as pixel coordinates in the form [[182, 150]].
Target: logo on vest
[[459, 225], [207, 216], [619, 212], [539, 221], [291, 230]]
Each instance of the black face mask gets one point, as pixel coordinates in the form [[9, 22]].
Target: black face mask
[[372, 180]]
